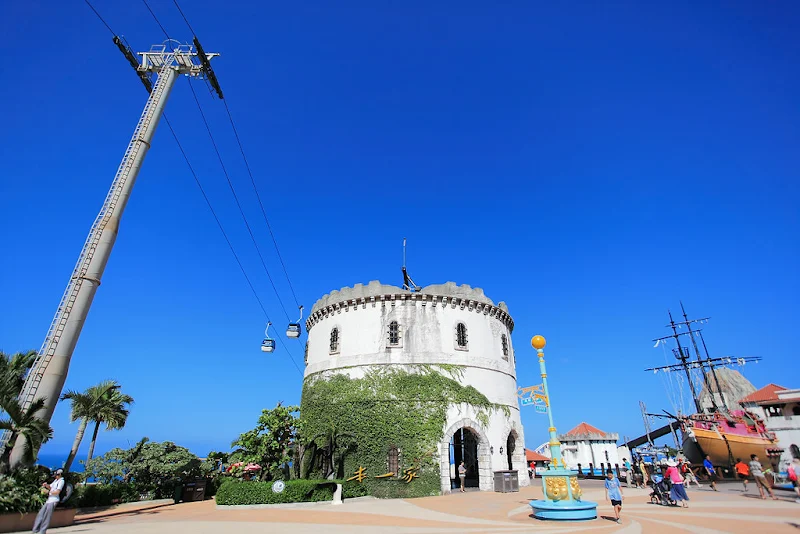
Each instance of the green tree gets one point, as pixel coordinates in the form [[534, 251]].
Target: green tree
[[23, 423], [151, 466], [332, 445], [95, 404], [113, 412], [269, 444], [13, 369]]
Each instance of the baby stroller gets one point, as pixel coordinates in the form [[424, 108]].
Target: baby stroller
[[660, 495]]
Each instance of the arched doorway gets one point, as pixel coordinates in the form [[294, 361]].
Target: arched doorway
[[456, 446], [464, 448]]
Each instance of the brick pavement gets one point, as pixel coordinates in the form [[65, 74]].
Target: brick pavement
[[475, 512]]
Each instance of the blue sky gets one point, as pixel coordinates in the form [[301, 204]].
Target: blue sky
[[588, 164]]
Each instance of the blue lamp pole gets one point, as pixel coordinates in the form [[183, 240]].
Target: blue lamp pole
[[538, 343], [562, 493]]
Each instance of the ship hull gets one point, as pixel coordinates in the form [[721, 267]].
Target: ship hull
[[717, 444]]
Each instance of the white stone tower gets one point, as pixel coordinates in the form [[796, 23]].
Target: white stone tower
[[355, 329]]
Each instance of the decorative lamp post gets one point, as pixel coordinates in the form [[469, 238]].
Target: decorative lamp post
[[562, 493]]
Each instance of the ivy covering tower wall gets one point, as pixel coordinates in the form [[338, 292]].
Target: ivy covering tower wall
[[388, 407]]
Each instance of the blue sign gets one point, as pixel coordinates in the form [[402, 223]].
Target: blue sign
[[526, 401], [541, 408]]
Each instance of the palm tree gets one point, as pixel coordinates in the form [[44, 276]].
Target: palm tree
[[12, 373], [23, 423], [113, 413], [333, 445], [88, 406]]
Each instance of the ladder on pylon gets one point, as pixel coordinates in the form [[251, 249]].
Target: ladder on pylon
[[51, 340]]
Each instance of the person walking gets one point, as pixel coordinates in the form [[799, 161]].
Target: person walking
[[645, 475], [685, 469], [742, 472], [462, 475], [46, 513], [628, 472], [794, 469], [761, 480], [677, 492], [711, 472], [614, 493]]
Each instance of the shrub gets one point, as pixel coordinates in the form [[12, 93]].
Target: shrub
[[234, 492], [353, 489], [19, 495], [94, 495]]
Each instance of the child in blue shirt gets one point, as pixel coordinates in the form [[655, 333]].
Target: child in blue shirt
[[712, 473], [614, 493]]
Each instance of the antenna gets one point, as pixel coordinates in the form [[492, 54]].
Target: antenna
[[408, 283]]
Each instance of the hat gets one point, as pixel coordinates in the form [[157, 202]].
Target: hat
[[59, 472], [671, 463]]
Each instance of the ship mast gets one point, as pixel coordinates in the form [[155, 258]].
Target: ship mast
[[713, 370], [705, 365], [683, 357]]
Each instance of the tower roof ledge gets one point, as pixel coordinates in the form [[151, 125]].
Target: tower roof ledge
[[375, 288]]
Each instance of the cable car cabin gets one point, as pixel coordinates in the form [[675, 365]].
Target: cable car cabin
[[268, 345], [293, 330]]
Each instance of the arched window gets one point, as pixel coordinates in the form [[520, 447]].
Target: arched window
[[334, 340], [394, 334], [306, 357], [461, 336], [504, 341], [394, 460]]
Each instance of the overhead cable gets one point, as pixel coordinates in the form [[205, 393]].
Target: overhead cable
[[252, 178]]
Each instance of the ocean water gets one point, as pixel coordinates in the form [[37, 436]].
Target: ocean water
[[57, 460]]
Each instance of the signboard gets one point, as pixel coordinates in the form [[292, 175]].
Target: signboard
[[534, 396]]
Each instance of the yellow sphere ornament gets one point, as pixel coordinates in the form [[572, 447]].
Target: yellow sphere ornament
[[538, 342]]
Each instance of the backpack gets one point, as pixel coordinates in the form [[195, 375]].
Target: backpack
[[66, 493], [792, 472]]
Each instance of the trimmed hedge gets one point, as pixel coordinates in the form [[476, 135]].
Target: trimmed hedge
[[236, 492], [93, 495]]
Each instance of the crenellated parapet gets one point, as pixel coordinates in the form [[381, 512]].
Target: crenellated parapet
[[351, 299]]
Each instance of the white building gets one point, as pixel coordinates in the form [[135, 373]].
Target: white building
[[779, 407], [355, 329], [587, 445]]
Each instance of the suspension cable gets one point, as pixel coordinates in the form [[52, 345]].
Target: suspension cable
[[252, 178], [260, 203], [156, 19], [225, 235], [100, 17], [236, 198], [203, 193]]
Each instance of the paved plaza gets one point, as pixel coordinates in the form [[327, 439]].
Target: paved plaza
[[728, 510]]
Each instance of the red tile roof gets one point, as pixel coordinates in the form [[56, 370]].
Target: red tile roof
[[583, 429], [533, 456], [767, 393]]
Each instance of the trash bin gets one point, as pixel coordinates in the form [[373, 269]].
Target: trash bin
[[506, 481], [194, 490]]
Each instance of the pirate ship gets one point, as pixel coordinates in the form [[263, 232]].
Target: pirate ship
[[719, 428]]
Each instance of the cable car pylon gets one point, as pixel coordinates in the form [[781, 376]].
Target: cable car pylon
[[49, 372]]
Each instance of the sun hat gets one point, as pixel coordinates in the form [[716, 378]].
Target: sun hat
[[671, 463]]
